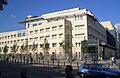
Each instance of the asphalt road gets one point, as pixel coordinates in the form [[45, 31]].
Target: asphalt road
[[12, 70]]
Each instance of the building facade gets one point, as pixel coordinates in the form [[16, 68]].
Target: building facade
[[75, 25]]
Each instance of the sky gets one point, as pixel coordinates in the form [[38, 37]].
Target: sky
[[17, 10]]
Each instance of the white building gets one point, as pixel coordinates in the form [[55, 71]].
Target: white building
[[73, 24]]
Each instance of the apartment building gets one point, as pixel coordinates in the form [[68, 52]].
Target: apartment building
[[74, 24]]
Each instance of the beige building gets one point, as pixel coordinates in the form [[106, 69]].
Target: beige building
[[73, 24]]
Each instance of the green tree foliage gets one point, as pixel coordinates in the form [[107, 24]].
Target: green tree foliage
[[66, 46], [34, 47], [26, 47], [46, 45], [45, 48], [84, 46], [22, 50], [14, 48], [5, 49]]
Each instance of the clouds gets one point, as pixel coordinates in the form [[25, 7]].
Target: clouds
[[13, 16]]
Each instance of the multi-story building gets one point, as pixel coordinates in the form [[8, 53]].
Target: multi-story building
[[112, 40], [75, 25]]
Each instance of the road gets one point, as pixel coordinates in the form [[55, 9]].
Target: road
[[12, 70]]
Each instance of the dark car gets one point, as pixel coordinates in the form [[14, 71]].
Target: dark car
[[95, 70]]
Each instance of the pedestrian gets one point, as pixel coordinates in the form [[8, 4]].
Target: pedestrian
[[114, 61], [23, 73], [85, 59], [111, 61], [68, 71], [94, 60]]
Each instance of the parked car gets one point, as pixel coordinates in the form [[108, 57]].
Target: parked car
[[95, 70]]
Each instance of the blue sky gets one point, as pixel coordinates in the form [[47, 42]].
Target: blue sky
[[17, 10]]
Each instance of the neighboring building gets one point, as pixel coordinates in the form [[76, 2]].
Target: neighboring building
[[112, 37], [73, 24]]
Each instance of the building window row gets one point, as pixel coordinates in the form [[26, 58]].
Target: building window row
[[80, 35], [78, 27], [54, 28], [8, 37]]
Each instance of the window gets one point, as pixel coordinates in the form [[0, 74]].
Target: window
[[34, 24], [22, 40], [47, 29], [54, 28], [8, 37], [54, 44], [14, 35], [11, 36], [42, 37], [41, 45], [31, 32], [40, 23], [60, 44], [31, 39], [54, 36], [78, 17], [11, 42], [48, 37], [18, 41], [5, 37], [36, 31], [77, 44], [77, 27], [81, 35], [8, 42], [61, 35], [60, 27], [23, 34], [41, 30], [36, 38]]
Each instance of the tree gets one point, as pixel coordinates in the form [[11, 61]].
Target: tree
[[22, 50], [66, 46], [5, 49], [2, 2], [26, 47], [34, 47], [45, 48], [14, 48], [84, 46]]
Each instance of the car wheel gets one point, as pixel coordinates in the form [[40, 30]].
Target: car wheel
[[82, 75]]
